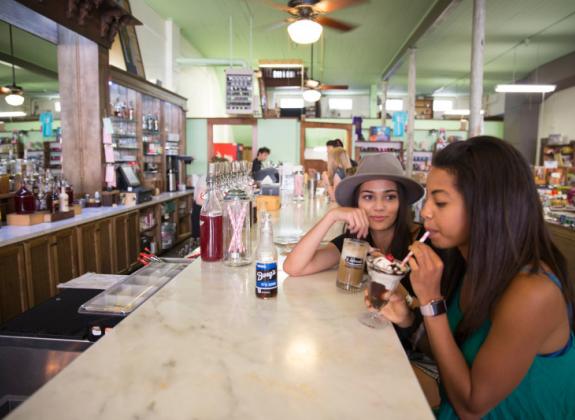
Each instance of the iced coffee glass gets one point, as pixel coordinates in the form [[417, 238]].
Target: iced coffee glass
[[351, 264], [384, 276]]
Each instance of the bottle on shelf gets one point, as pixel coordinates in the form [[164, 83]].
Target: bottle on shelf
[[211, 226], [266, 260], [24, 201], [63, 198]]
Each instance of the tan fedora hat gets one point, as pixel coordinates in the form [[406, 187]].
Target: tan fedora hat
[[380, 166]]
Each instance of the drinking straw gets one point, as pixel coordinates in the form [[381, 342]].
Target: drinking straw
[[422, 239]]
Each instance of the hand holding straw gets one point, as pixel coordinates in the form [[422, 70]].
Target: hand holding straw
[[422, 239]]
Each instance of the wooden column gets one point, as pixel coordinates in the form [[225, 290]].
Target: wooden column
[[411, 112], [384, 84], [83, 79], [476, 81]]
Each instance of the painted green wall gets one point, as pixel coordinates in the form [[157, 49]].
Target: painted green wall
[[281, 136], [33, 128], [197, 145], [242, 134]]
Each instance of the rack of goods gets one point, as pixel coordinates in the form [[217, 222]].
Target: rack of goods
[[554, 155], [148, 124], [366, 148], [421, 164], [424, 108]]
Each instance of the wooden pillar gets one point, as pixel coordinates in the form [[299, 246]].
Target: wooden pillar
[[83, 80], [411, 111], [384, 85], [476, 82]]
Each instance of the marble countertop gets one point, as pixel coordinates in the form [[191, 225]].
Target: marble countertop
[[13, 234], [204, 347]]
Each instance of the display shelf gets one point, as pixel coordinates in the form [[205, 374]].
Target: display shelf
[[557, 155], [156, 123]]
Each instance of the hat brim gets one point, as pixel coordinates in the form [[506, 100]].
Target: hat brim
[[344, 192]]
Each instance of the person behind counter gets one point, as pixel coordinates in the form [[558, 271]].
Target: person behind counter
[[503, 337], [374, 205], [261, 157]]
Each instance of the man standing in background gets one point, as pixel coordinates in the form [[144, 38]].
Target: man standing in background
[[261, 157]]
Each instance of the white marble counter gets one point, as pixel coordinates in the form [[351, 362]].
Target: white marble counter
[[13, 234], [204, 347]]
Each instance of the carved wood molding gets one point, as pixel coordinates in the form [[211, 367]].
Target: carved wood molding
[[98, 20]]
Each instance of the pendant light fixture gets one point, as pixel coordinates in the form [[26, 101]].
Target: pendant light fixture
[[14, 97], [312, 95], [304, 31]]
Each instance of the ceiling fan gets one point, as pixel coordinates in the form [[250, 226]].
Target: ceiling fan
[[308, 17], [313, 87], [311, 83]]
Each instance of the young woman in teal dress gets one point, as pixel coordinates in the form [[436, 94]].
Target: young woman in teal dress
[[497, 303]]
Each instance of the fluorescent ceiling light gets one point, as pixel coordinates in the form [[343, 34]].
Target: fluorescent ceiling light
[[304, 31], [311, 95], [341, 104], [14, 99], [462, 112], [291, 103], [394, 105], [281, 64], [525, 88], [12, 114], [442, 105]]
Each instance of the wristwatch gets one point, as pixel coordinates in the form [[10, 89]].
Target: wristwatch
[[434, 308]]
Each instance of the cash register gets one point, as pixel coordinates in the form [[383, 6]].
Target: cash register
[[128, 181]]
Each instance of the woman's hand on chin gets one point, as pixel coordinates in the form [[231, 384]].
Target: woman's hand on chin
[[355, 218]]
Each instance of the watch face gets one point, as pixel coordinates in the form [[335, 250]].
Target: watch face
[[434, 308]]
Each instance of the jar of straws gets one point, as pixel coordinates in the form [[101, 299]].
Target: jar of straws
[[237, 225]]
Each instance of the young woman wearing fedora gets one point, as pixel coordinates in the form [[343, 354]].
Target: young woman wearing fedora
[[374, 205]]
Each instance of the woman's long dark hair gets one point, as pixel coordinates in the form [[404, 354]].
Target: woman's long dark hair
[[506, 228]]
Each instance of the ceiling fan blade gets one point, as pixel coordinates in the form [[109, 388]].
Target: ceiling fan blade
[[333, 87], [5, 89], [335, 24], [274, 26], [278, 6], [327, 6]]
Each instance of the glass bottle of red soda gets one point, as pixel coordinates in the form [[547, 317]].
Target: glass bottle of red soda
[[211, 226]]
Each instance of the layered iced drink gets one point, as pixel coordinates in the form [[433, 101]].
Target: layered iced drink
[[385, 273]]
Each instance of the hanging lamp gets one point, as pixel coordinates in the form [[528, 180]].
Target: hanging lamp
[[312, 94], [14, 96]]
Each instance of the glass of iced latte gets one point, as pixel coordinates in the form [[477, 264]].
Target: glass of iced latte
[[351, 264]]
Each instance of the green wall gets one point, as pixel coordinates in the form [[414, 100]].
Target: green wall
[[281, 136], [242, 134], [33, 128], [197, 145]]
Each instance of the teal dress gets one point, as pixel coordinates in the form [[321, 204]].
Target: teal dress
[[546, 392]]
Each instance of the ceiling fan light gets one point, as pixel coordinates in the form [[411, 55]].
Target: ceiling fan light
[[312, 84], [311, 95], [14, 99], [304, 31]]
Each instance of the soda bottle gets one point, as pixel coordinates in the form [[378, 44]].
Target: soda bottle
[[211, 226], [266, 261]]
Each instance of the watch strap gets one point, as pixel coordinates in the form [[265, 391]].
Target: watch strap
[[434, 308]]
